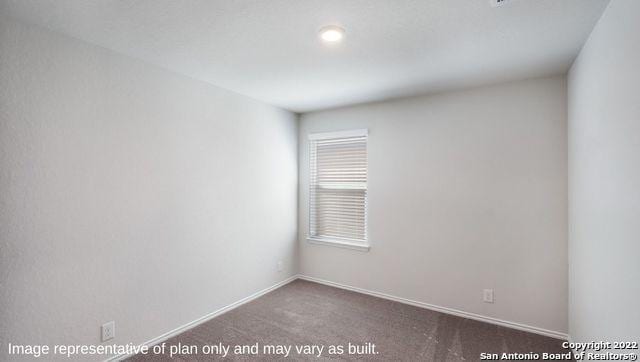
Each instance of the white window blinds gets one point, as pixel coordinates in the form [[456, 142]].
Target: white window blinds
[[338, 186]]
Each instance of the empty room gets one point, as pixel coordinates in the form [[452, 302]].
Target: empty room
[[385, 180]]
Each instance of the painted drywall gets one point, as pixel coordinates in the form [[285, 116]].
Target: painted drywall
[[270, 50], [604, 180], [466, 191], [132, 194]]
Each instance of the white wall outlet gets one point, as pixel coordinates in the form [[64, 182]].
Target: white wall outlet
[[108, 331], [487, 295], [280, 267]]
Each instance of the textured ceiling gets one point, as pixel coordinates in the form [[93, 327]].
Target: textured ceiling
[[269, 50]]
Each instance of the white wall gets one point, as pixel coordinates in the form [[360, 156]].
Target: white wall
[[604, 180], [132, 194], [467, 190]]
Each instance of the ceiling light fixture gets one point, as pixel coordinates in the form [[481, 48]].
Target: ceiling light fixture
[[331, 33]]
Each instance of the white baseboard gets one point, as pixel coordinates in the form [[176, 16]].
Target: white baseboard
[[207, 317], [459, 313]]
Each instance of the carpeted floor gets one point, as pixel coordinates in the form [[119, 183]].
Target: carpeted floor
[[303, 313]]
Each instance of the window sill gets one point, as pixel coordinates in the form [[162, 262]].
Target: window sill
[[340, 244]]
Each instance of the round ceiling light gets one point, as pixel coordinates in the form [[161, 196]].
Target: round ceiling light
[[331, 34]]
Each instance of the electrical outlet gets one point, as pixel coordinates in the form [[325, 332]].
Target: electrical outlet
[[108, 331], [487, 295], [280, 266]]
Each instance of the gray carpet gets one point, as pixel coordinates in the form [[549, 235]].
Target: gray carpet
[[305, 313]]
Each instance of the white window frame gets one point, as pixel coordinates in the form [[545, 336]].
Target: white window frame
[[337, 242]]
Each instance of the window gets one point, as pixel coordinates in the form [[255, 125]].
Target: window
[[338, 188]]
